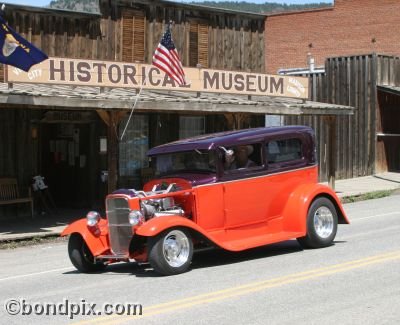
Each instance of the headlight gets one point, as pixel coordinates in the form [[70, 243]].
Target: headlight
[[135, 217], [93, 218]]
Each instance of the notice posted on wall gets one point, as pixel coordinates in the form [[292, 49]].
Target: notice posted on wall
[[82, 161]]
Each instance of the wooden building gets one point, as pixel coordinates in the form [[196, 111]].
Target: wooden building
[[127, 31], [368, 142], [71, 134]]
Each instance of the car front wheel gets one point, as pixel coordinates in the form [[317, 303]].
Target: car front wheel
[[171, 252], [322, 223], [80, 255]]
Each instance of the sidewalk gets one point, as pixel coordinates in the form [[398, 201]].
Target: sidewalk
[[40, 226], [367, 184], [43, 226]]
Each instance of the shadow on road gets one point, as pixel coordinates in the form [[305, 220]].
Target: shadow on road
[[206, 259], [221, 257]]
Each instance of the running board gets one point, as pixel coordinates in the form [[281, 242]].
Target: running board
[[112, 257]]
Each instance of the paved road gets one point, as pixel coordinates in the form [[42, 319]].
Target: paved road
[[356, 281]]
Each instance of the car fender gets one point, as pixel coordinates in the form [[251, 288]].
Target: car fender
[[95, 237], [157, 225], [296, 208]]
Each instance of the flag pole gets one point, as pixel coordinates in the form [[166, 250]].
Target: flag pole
[[134, 105], [138, 94]]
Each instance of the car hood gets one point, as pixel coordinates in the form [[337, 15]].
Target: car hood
[[195, 179]]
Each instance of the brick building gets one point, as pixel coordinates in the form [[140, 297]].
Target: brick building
[[349, 27]]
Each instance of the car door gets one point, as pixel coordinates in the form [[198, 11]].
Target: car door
[[244, 194], [286, 166]]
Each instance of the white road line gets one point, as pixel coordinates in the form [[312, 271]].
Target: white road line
[[368, 233], [36, 273], [377, 216]]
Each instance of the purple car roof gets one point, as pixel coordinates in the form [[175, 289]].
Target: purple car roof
[[226, 139]]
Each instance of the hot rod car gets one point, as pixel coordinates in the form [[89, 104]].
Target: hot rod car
[[233, 190]]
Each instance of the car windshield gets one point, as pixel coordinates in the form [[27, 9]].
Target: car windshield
[[186, 161]]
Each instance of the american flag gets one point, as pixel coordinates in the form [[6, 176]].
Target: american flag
[[167, 59]]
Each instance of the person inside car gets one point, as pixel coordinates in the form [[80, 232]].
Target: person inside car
[[240, 157]]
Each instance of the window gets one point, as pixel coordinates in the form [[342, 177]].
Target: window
[[242, 156], [134, 146], [190, 126], [195, 161], [284, 150], [198, 44], [274, 120], [133, 35]]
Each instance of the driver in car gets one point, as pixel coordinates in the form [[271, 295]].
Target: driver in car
[[240, 157]]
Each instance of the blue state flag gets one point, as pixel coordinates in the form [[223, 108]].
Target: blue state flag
[[17, 51]]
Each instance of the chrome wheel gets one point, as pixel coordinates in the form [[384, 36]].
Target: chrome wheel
[[176, 248], [323, 222]]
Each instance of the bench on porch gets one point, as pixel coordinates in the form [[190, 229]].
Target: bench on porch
[[9, 193]]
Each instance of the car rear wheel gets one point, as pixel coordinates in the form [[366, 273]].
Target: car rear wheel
[[322, 223], [80, 255], [171, 252]]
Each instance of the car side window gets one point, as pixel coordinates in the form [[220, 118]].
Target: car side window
[[285, 150], [242, 156]]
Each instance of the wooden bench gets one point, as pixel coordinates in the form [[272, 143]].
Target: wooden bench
[[9, 193]]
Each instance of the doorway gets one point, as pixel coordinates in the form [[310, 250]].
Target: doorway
[[388, 132], [68, 161]]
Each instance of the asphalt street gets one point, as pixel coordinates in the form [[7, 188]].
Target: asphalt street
[[355, 281]]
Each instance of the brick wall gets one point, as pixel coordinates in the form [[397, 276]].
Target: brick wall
[[350, 27]]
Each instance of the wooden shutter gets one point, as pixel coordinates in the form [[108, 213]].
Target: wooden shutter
[[198, 44], [193, 45], [133, 35], [2, 68], [203, 45]]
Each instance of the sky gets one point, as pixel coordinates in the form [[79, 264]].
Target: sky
[[41, 3]]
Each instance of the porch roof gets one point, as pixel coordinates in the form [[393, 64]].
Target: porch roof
[[46, 96], [395, 90]]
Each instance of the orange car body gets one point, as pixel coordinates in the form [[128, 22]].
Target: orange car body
[[232, 210]]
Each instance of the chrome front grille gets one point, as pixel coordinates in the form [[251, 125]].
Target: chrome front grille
[[120, 230]]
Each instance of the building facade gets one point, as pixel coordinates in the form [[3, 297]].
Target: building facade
[[70, 147], [367, 142], [348, 28]]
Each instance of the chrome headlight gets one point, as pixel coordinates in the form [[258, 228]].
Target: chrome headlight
[[135, 217], [93, 218]]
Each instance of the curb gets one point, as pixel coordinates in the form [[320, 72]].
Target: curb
[[29, 237]]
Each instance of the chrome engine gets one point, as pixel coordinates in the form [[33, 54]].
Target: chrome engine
[[160, 207]]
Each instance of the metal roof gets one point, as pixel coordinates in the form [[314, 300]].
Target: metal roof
[[47, 96], [390, 89]]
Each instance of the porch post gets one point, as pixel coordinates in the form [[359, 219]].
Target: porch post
[[112, 156], [331, 120]]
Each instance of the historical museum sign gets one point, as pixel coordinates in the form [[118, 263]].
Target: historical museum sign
[[133, 75]]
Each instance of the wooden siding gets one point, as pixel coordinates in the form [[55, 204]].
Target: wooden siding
[[222, 41], [59, 35], [18, 151], [352, 81], [130, 31]]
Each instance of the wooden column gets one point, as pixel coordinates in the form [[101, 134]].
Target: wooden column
[[332, 152], [112, 151], [112, 119]]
